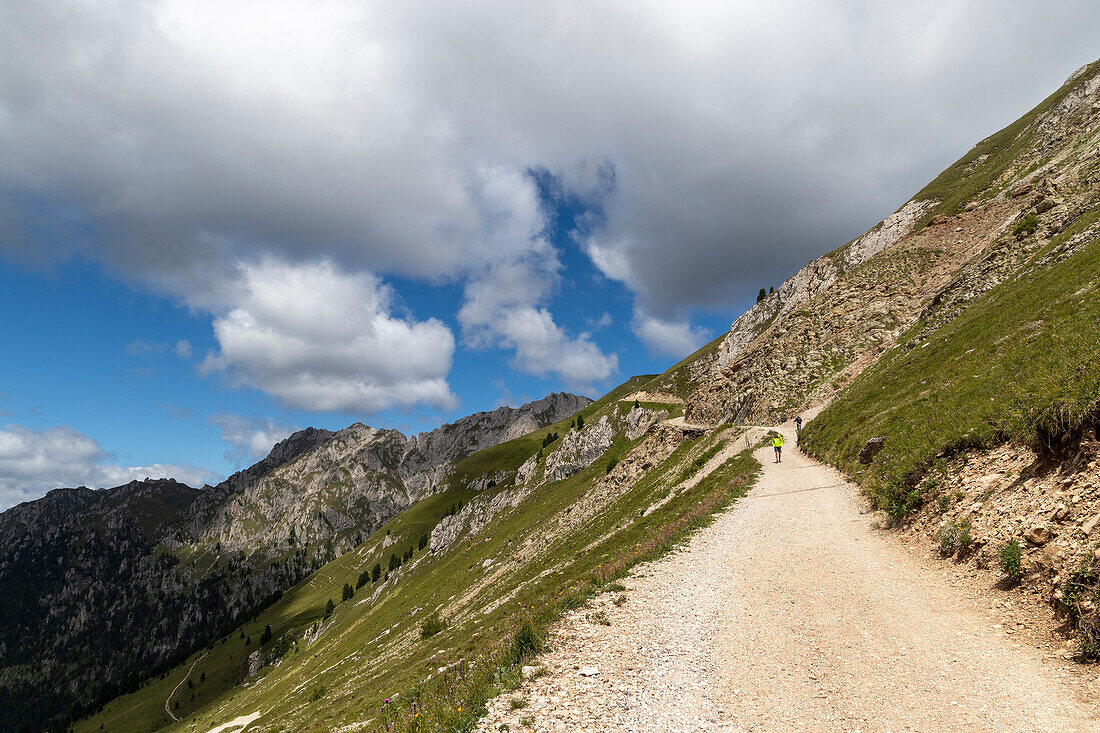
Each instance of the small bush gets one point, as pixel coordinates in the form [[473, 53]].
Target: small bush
[[955, 537], [517, 703], [1026, 227], [1081, 603], [317, 694], [432, 625], [1011, 556], [620, 601]]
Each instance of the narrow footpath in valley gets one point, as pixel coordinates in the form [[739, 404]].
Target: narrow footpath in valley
[[790, 612]]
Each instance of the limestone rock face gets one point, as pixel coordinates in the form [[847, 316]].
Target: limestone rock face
[[527, 471], [640, 419], [579, 449]]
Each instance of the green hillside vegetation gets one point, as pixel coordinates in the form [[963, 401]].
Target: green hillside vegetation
[[518, 573], [978, 172], [1019, 364]]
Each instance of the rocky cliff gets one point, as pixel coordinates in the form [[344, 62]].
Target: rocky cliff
[[103, 588]]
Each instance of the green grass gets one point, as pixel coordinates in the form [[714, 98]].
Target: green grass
[[1018, 364], [970, 177]]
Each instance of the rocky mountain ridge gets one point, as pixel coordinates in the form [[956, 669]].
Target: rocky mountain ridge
[[106, 586]]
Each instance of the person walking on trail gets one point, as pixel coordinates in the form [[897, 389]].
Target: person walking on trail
[[798, 423], [777, 443]]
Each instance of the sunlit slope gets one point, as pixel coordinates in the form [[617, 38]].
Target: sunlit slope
[[1020, 362]]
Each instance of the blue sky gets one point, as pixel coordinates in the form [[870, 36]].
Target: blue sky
[[221, 222]]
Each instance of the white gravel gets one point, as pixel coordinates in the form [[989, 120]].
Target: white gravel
[[791, 613]]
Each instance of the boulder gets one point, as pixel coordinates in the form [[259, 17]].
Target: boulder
[[1022, 190], [869, 451], [1038, 535]]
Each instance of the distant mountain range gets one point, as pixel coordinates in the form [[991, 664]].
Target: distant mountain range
[[102, 588]]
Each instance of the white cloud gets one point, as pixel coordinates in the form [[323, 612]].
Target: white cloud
[[35, 461], [672, 338], [725, 143], [183, 349], [598, 323], [318, 338], [502, 309], [250, 438]]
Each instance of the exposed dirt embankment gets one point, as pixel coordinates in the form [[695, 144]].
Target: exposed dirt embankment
[[975, 505]]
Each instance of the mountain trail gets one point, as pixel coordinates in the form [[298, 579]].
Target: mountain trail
[[791, 612], [168, 700]]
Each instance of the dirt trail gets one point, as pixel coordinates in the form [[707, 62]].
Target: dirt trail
[[790, 612], [168, 700]]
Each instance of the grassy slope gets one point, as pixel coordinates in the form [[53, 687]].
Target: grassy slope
[[357, 662], [1022, 356], [972, 176]]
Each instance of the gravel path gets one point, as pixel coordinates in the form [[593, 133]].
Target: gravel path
[[791, 613]]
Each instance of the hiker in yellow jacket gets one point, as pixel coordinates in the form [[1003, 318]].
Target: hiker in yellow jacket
[[777, 443]]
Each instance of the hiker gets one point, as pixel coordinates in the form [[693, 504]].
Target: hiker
[[777, 443], [798, 423]]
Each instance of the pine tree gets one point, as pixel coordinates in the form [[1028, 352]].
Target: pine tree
[[580, 422], [376, 572], [329, 607], [761, 295], [423, 541], [348, 592], [266, 636]]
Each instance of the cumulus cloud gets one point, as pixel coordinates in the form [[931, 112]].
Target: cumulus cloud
[[669, 337], [250, 438], [502, 309], [35, 461], [183, 349], [318, 338], [723, 143]]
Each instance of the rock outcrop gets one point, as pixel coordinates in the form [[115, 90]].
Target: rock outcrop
[[579, 449]]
